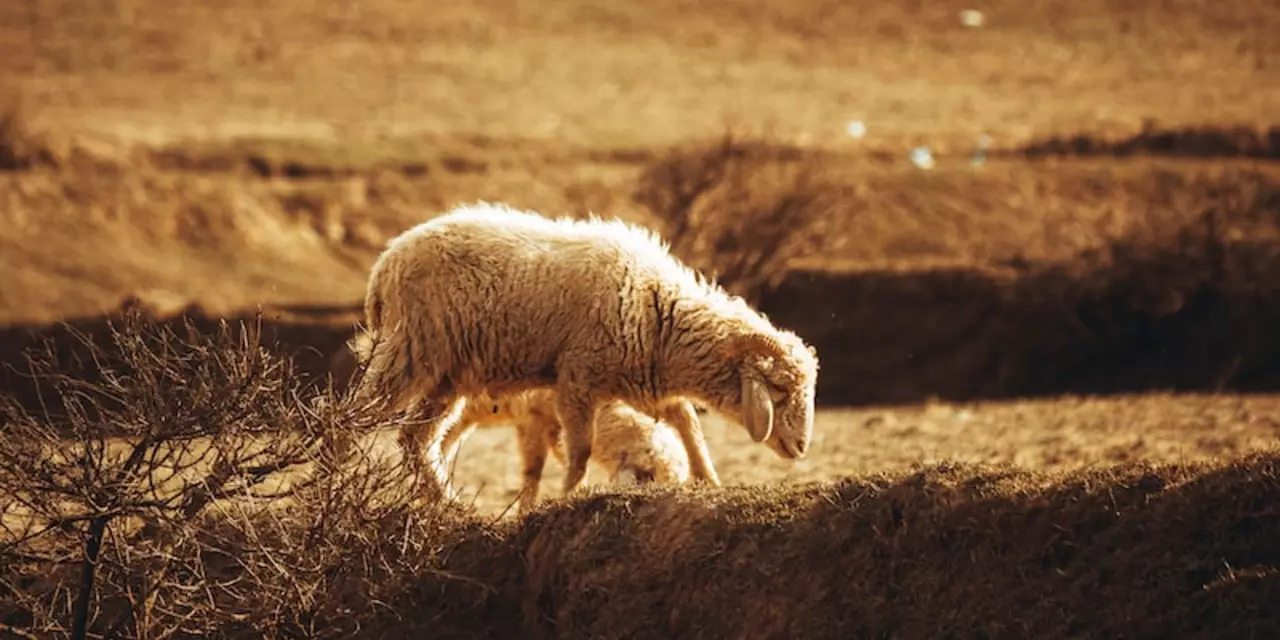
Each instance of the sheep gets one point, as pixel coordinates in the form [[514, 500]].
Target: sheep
[[490, 299], [630, 446]]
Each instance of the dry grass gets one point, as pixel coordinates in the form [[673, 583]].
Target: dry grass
[[989, 550], [739, 211], [949, 550]]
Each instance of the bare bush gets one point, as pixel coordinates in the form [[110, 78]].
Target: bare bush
[[737, 210], [163, 498]]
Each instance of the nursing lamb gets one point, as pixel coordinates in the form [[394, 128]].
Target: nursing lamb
[[631, 447]]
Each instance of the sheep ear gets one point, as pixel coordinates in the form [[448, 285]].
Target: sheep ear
[[757, 407]]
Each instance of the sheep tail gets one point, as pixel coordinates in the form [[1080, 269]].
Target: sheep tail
[[387, 353]]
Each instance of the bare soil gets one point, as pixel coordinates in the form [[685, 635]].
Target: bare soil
[[1064, 434]]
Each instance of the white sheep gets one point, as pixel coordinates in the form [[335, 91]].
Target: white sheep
[[631, 447], [487, 299]]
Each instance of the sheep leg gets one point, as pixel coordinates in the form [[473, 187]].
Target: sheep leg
[[398, 370], [420, 442], [451, 444], [576, 410], [456, 433], [555, 443], [533, 458], [684, 418]]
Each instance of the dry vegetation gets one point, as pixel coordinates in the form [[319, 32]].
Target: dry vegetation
[[165, 501], [1048, 381]]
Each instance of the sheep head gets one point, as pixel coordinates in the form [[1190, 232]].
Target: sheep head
[[659, 459], [778, 374], [651, 465], [630, 476], [638, 449]]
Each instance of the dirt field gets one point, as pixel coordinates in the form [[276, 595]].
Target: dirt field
[[1050, 435], [1100, 290]]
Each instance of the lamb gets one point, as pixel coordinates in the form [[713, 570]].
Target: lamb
[[489, 299], [632, 447]]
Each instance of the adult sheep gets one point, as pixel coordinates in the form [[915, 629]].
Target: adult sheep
[[488, 299]]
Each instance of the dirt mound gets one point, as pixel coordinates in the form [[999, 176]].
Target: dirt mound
[[959, 284], [1153, 315], [1182, 297], [950, 551], [1197, 317], [1192, 142]]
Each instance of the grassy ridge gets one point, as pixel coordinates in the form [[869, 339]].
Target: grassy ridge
[[947, 549], [950, 551]]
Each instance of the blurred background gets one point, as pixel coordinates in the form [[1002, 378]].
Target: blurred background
[[1036, 246]]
